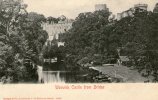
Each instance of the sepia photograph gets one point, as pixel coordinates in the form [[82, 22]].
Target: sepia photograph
[[78, 41]]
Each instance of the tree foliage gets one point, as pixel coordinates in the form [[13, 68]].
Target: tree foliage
[[140, 41], [21, 40], [94, 36], [90, 36]]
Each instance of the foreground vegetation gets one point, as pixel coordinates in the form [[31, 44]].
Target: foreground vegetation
[[21, 42]]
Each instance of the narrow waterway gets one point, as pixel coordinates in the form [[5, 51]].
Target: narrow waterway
[[50, 76], [54, 76]]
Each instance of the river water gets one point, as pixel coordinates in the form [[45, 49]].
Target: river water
[[54, 76]]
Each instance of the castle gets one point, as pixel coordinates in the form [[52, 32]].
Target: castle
[[99, 7], [54, 29], [129, 12], [156, 8]]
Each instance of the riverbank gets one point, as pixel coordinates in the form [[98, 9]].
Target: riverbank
[[117, 73]]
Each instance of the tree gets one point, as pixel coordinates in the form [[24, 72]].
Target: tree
[[86, 37], [93, 35], [21, 41], [51, 19], [138, 42], [33, 16], [10, 14]]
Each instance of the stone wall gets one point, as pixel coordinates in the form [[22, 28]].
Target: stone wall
[[55, 29]]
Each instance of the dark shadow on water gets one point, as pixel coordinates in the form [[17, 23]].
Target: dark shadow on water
[[58, 66]]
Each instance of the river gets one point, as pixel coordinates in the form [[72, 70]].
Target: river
[[59, 73], [54, 76]]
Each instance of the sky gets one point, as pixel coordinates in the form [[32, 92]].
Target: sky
[[71, 8]]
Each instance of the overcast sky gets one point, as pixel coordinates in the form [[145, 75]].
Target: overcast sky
[[71, 8]]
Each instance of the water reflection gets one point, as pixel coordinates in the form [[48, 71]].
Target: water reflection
[[54, 77]]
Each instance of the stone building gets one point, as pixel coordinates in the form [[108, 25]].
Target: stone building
[[125, 14], [156, 8], [54, 29], [99, 7], [129, 12], [141, 7]]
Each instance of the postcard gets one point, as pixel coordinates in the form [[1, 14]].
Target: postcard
[[78, 49]]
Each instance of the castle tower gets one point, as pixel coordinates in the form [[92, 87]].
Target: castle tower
[[99, 7], [156, 9], [141, 7]]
